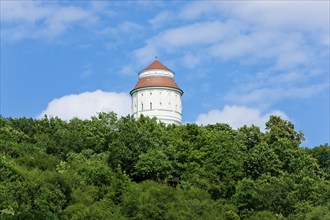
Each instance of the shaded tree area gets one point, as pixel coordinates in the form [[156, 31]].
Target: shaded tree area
[[122, 168]]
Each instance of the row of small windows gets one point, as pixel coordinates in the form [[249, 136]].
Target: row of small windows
[[169, 94], [150, 93], [142, 106]]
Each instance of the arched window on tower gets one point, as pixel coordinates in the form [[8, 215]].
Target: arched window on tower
[[142, 106], [150, 105]]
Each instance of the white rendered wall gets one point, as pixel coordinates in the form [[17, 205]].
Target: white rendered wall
[[163, 103]]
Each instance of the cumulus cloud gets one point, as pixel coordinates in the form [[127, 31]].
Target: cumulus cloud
[[237, 116], [87, 104]]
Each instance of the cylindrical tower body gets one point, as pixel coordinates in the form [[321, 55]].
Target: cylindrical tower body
[[156, 94]]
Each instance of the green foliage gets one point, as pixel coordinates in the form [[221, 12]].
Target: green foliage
[[153, 165], [278, 129], [151, 200], [322, 155], [250, 136], [319, 213], [262, 215], [110, 168], [260, 160]]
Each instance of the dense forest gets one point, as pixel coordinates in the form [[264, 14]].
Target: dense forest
[[122, 168]]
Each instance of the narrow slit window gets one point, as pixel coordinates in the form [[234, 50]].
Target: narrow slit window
[[142, 106], [150, 105]]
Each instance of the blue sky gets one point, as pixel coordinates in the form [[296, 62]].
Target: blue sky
[[237, 61]]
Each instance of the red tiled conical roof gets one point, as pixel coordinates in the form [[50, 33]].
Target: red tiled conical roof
[[156, 81], [156, 65]]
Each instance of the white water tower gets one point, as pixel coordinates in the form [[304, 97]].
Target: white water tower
[[156, 94]]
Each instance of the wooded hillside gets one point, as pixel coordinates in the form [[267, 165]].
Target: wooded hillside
[[110, 168]]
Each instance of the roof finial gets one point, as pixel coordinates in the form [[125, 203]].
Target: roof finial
[[156, 57]]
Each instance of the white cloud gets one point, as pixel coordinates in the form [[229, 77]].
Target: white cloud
[[284, 49], [26, 11], [62, 18], [279, 33], [87, 104], [161, 18], [269, 37], [35, 19], [199, 33], [284, 14], [237, 116], [278, 47], [196, 9], [270, 14], [120, 34], [191, 60], [264, 96], [130, 27], [195, 35]]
